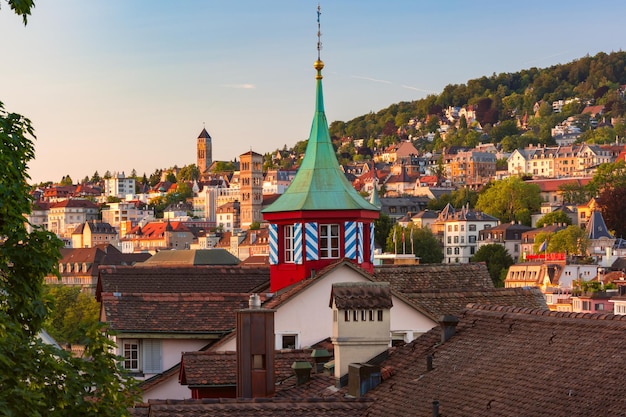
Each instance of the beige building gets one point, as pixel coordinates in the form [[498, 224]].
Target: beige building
[[65, 216], [90, 234]]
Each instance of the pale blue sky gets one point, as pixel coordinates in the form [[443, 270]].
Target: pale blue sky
[[122, 84]]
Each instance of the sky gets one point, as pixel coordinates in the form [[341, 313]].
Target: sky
[[119, 85]]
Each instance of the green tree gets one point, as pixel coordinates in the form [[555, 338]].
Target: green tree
[[188, 173], [66, 180], [572, 240], [498, 261], [255, 225], [107, 175], [73, 315], [554, 217], [170, 177], [425, 245], [95, 178], [382, 227], [37, 378], [510, 199]]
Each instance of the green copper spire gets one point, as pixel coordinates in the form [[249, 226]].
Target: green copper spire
[[320, 184]]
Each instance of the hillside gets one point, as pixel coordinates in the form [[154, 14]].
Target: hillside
[[512, 108]]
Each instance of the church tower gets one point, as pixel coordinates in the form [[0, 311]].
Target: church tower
[[204, 151], [320, 218], [251, 188]]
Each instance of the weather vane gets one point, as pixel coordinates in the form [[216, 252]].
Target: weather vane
[[319, 32]]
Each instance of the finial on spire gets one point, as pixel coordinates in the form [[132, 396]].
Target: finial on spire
[[319, 65]]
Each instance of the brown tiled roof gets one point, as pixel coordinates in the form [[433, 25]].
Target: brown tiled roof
[[202, 278], [220, 368], [507, 361], [361, 295], [183, 313], [429, 277], [444, 302], [259, 407]]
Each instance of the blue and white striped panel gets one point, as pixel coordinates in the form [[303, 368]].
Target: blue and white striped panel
[[350, 240], [372, 243], [311, 239], [297, 243], [360, 243], [273, 244]]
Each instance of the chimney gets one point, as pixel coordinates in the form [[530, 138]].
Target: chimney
[[361, 323], [448, 327], [255, 351], [320, 357], [302, 369]]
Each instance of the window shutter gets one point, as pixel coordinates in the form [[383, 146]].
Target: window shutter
[[297, 243], [273, 244], [311, 239], [151, 356], [350, 240]]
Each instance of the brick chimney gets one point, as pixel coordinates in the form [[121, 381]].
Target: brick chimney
[[255, 351]]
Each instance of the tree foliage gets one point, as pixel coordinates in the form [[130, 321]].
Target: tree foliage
[[510, 199], [415, 240], [612, 203], [572, 241], [73, 314], [554, 217], [382, 227], [498, 261], [39, 379]]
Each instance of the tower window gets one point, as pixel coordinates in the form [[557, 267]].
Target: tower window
[[289, 244], [329, 241]]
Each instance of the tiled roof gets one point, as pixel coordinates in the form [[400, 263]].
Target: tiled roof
[[220, 368], [429, 277], [183, 313], [193, 257], [259, 407], [453, 302], [74, 203], [361, 295], [203, 278], [507, 361]]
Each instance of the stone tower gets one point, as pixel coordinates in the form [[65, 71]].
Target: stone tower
[[251, 188], [204, 150]]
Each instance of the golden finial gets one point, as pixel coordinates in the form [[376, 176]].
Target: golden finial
[[319, 64]]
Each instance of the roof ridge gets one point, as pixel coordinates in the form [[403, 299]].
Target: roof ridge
[[486, 310]]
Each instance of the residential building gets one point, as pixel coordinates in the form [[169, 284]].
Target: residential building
[[228, 216], [119, 186], [508, 235], [460, 235], [126, 214], [90, 234], [156, 236], [79, 267], [535, 161], [66, 215], [471, 168]]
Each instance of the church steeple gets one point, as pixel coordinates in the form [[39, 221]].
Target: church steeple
[[204, 151], [321, 218]]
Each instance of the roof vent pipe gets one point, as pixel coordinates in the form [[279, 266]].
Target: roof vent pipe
[[254, 302], [435, 408], [448, 327]]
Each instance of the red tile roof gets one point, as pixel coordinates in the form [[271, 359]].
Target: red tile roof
[[201, 278], [220, 368], [182, 313], [258, 407], [507, 361]]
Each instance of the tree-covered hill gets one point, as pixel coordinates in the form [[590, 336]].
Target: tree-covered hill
[[500, 98]]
